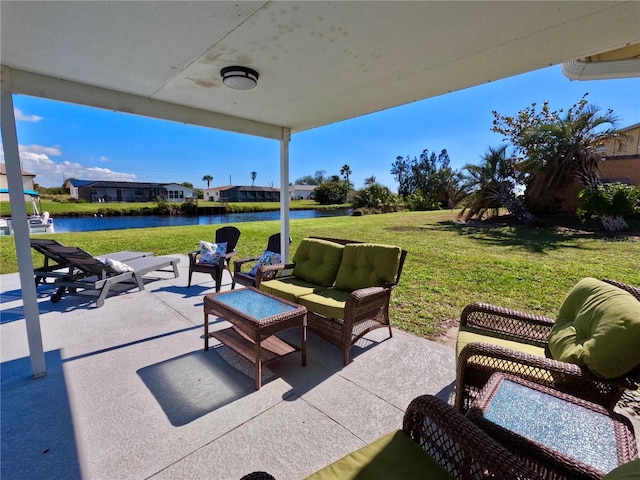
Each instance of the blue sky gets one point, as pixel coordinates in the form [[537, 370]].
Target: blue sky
[[59, 140]]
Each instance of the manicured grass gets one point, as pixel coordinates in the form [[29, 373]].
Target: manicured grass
[[448, 266]]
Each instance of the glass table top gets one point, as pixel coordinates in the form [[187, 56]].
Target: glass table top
[[575, 431], [254, 304]]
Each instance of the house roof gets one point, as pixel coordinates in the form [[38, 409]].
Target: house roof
[[3, 171], [113, 184], [318, 62]]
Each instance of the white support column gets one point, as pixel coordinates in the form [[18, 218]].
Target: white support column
[[20, 226], [284, 194]]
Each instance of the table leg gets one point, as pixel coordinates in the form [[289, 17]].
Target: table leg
[[258, 365], [206, 331], [303, 342]]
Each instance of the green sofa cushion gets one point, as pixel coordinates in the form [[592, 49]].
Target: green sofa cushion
[[329, 302], [394, 456], [289, 288], [598, 326], [367, 265], [468, 335], [627, 471], [317, 261]]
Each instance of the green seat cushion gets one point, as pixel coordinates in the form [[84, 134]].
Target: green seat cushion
[[627, 471], [329, 302], [367, 265], [468, 335], [598, 326], [289, 288], [317, 261], [394, 456]]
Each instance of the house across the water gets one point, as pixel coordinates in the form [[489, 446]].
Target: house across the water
[[96, 191]]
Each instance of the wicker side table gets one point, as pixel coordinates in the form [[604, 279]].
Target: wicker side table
[[557, 435]]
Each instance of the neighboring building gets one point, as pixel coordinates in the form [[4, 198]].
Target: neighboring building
[[621, 158], [96, 191], [214, 194], [234, 193], [301, 192], [27, 181]]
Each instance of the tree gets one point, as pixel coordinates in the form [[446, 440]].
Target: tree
[[329, 193], [317, 179], [556, 150], [253, 177], [345, 171], [430, 179], [208, 179], [369, 181], [187, 184], [492, 186]]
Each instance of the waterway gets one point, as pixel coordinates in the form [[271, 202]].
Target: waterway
[[91, 224]]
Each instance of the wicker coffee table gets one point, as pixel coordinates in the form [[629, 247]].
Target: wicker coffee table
[[557, 435], [255, 317]]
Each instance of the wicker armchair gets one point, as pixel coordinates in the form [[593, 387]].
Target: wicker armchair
[[230, 235], [365, 310], [448, 441], [477, 361]]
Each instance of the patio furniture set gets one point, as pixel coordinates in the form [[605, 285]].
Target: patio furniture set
[[534, 395]]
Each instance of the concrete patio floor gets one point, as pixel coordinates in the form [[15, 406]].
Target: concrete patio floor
[[130, 392]]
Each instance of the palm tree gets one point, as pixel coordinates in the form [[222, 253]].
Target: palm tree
[[569, 152], [253, 177], [369, 181], [492, 186], [559, 151], [345, 171], [208, 179]]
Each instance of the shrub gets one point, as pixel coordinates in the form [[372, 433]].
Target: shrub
[[610, 200]]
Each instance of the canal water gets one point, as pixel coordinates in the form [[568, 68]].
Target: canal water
[[90, 224]]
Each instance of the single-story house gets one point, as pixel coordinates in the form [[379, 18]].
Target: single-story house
[[27, 181], [301, 192], [621, 157], [97, 191], [237, 193]]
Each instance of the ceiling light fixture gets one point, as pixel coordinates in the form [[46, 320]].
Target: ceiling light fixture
[[239, 78]]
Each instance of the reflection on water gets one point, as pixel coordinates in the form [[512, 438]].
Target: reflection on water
[[90, 224]]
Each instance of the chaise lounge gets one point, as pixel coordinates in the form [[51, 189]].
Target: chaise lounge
[[96, 275], [56, 266]]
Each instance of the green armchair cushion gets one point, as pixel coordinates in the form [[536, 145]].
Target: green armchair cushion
[[367, 265], [393, 456], [317, 261], [468, 335], [627, 471], [598, 326]]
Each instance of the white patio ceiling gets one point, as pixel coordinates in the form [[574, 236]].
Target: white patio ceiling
[[319, 62]]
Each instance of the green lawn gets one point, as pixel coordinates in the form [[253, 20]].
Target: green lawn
[[448, 266]]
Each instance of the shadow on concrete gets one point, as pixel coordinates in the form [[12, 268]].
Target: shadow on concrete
[[38, 439], [192, 385]]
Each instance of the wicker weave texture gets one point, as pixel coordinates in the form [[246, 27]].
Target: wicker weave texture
[[478, 361]]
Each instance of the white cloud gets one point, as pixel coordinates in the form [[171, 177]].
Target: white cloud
[[21, 117], [49, 173], [103, 159]]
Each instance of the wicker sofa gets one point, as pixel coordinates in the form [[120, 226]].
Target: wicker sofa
[[345, 285], [495, 339]]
